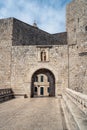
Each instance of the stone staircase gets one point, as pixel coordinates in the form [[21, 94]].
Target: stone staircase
[[74, 105]]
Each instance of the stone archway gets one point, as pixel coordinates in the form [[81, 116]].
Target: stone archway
[[43, 83]]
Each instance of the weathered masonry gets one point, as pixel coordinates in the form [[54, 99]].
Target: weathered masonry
[[37, 63]]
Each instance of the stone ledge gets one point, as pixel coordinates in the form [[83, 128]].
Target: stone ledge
[[73, 110]]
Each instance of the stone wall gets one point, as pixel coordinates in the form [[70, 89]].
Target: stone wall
[[77, 44], [76, 22], [25, 63], [20, 48], [5, 52]]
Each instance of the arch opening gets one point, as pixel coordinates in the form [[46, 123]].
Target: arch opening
[[45, 85]]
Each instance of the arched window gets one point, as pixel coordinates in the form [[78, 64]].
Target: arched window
[[43, 55], [42, 78]]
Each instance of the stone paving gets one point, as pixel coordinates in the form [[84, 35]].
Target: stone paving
[[32, 114]]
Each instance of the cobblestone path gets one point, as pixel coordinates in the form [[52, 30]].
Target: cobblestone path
[[32, 114]]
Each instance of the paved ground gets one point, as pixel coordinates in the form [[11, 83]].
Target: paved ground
[[32, 114]]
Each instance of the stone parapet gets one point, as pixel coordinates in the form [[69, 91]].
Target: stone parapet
[[74, 105], [78, 98]]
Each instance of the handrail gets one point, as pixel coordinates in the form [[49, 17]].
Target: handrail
[[81, 95]]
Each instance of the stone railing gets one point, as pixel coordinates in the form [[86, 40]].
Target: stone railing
[[78, 98], [6, 94]]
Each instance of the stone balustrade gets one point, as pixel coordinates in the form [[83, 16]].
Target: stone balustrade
[[74, 105], [78, 98]]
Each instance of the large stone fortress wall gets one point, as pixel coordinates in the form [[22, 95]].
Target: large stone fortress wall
[[77, 44], [26, 43], [21, 46]]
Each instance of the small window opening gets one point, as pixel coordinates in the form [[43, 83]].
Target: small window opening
[[42, 78], [48, 89]]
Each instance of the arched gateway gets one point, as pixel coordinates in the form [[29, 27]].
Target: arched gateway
[[43, 83]]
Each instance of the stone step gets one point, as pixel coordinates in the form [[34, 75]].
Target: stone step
[[75, 118]]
